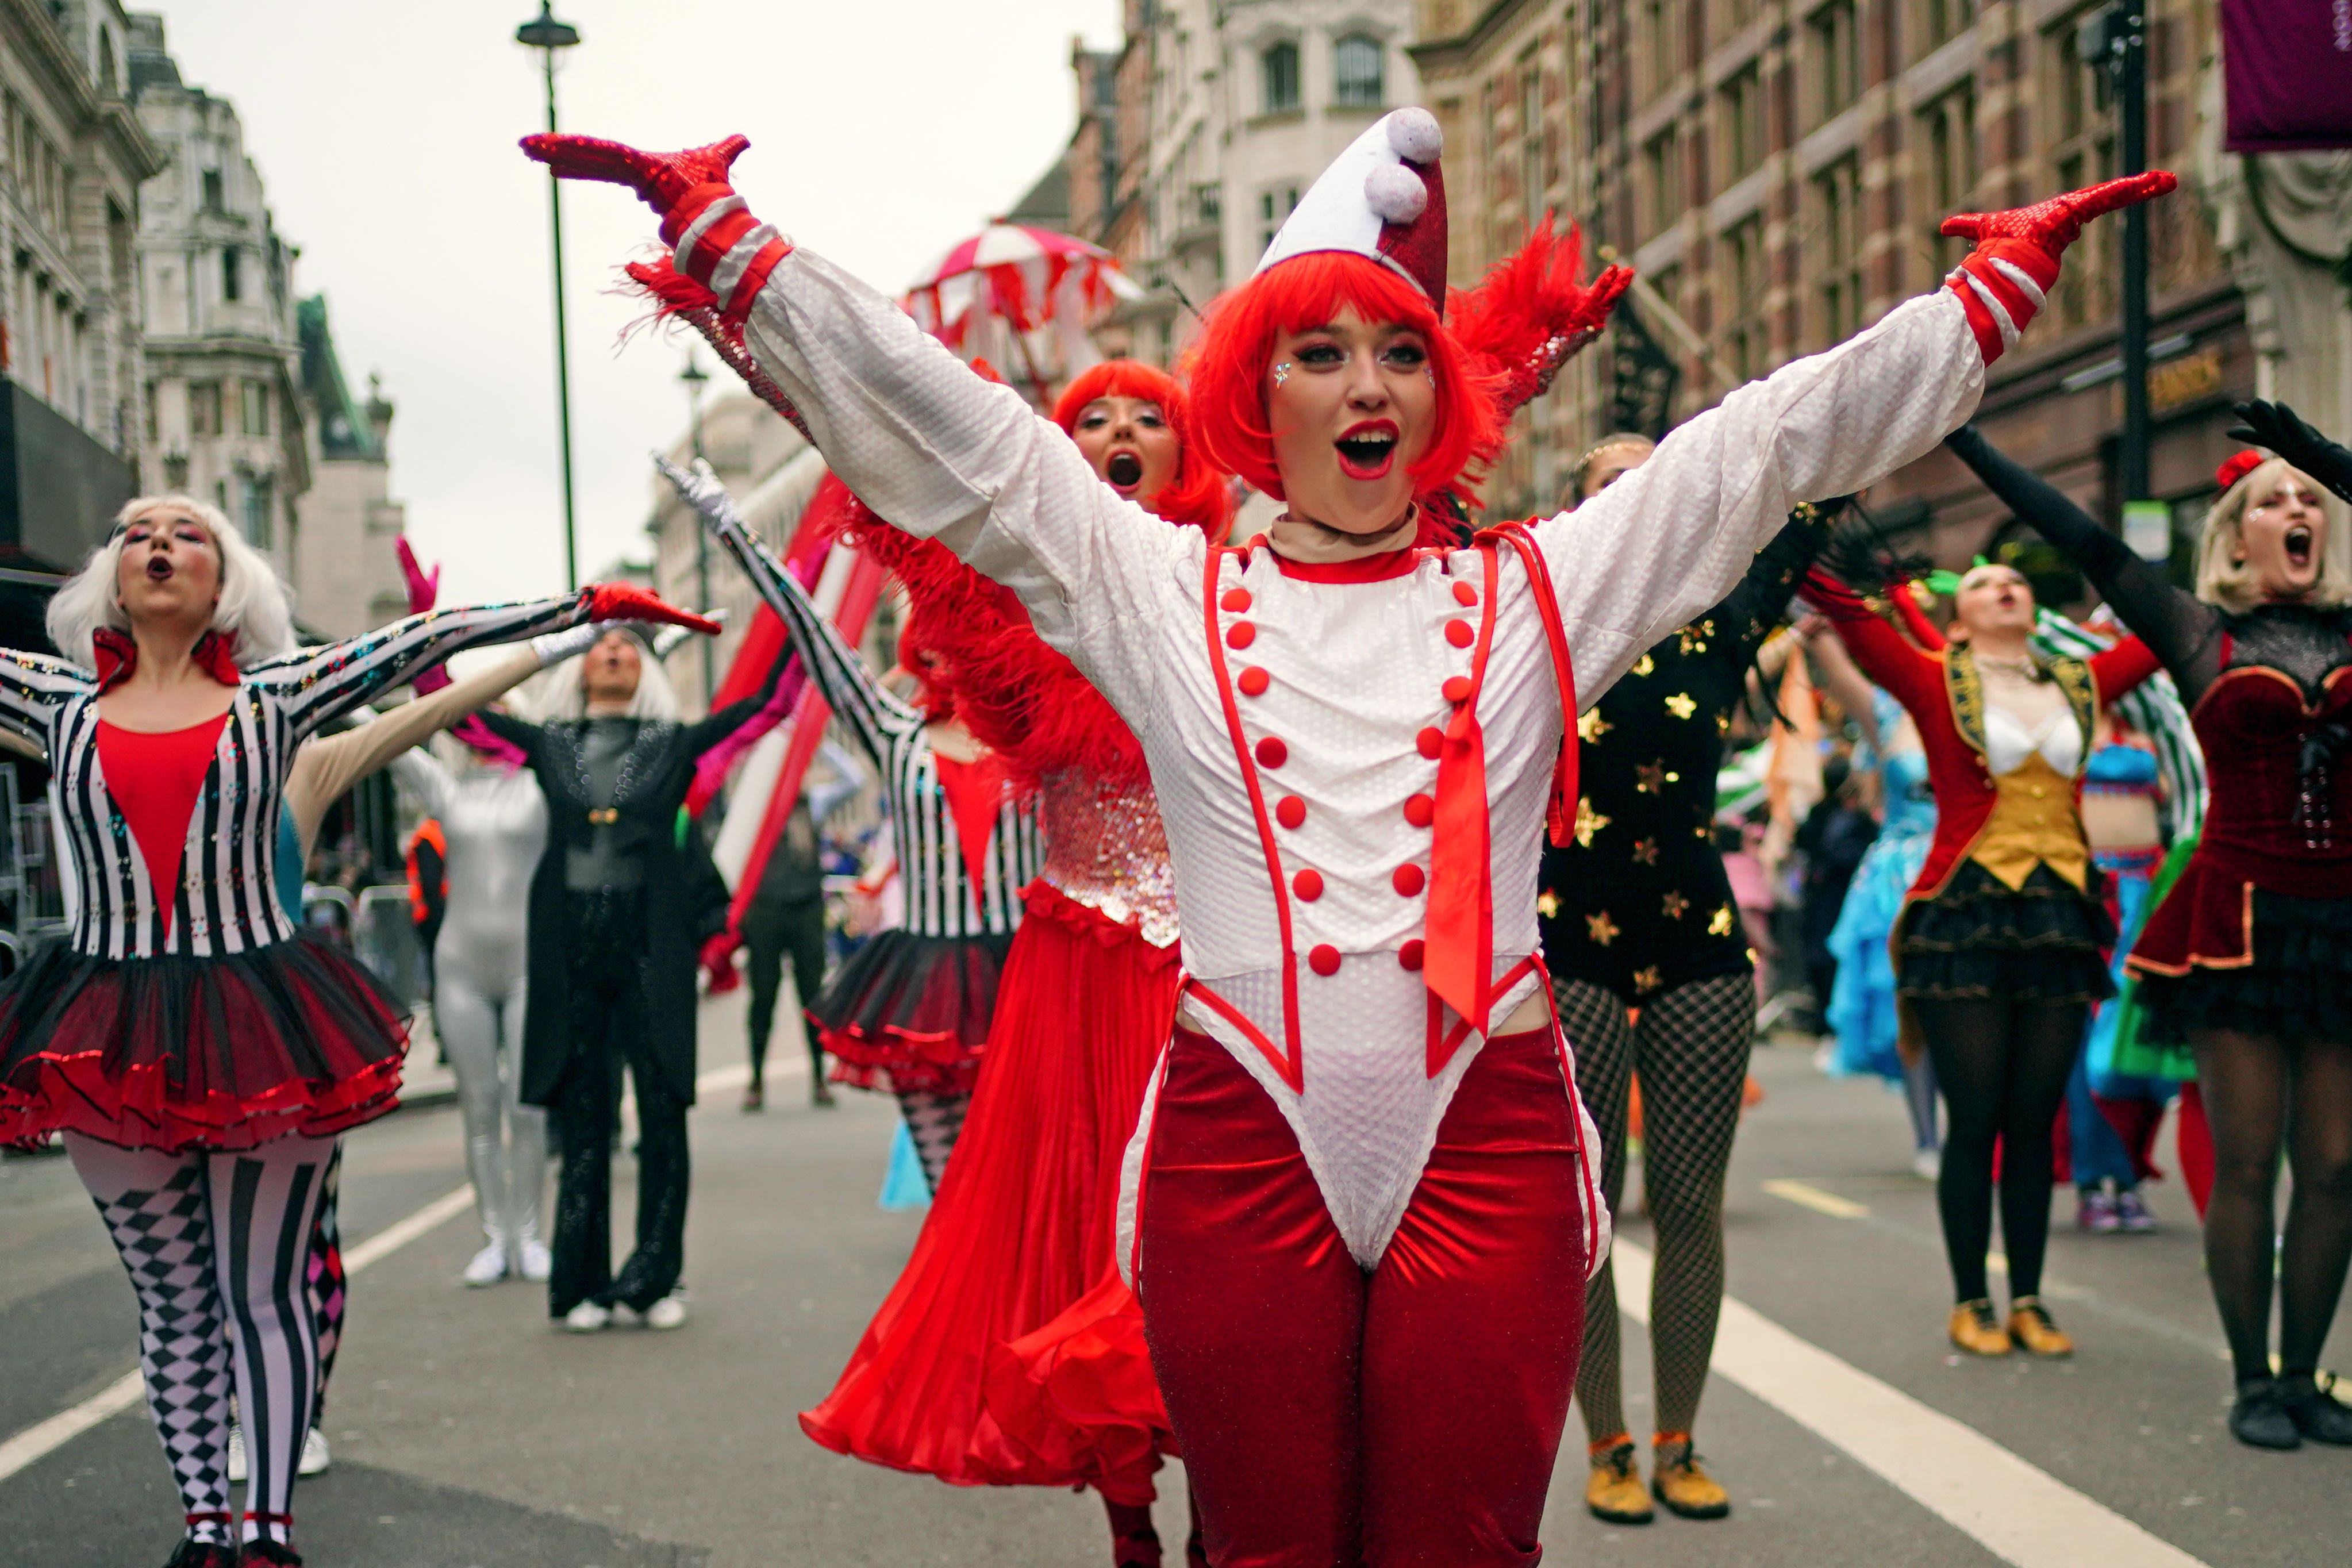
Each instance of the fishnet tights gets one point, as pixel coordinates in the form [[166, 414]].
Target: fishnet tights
[[1691, 1050]]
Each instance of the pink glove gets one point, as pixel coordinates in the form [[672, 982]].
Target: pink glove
[[2016, 259], [424, 589], [628, 602]]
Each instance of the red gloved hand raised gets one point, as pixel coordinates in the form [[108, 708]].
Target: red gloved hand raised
[[2016, 259], [628, 602], [719, 962], [1593, 313]]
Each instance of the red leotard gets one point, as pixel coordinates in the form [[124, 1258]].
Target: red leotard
[[154, 776]]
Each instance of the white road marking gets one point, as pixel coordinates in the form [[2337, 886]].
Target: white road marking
[[2020, 1513], [46, 1438], [1808, 1196]]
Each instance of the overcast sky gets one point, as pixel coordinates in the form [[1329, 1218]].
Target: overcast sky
[[882, 132]]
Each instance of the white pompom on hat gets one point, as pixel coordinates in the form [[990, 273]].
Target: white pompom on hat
[[1383, 199]]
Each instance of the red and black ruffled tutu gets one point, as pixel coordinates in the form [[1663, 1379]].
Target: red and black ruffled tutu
[[175, 1053], [911, 1013], [1022, 1230]]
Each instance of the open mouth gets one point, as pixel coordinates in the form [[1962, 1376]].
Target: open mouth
[[159, 568], [1125, 471], [2298, 547], [1367, 451]]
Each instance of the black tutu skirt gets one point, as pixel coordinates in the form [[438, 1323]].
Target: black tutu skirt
[[2295, 988], [177, 1053], [910, 1012], [2045, 941]]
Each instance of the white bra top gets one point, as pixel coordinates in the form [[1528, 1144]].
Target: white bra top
[[2009, 744]]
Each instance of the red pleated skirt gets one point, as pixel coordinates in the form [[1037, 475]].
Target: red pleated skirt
[[1021, 1230]]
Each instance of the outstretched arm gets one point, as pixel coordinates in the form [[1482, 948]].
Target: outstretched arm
[[1912, 676], [33, 687], [2179, 630], [873, 713], [929, 446], [1673, 536], [317, 684]]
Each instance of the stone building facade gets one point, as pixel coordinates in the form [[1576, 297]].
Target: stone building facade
[[72, 159]]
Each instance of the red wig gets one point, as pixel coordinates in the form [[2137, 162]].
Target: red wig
[[1229, 362], [1196, 494]]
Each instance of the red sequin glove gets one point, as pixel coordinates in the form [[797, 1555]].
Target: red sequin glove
[[703, 220], [719, 962], [2016, 259], [628, 602], [1592, 312]]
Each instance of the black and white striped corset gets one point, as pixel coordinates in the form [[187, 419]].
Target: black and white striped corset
[[226, 899], [941, 900]]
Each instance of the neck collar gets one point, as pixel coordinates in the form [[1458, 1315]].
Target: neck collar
[[116, 654]]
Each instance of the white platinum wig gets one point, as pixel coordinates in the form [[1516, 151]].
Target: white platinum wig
[[256, 610], [2231, 584], [562, 697]]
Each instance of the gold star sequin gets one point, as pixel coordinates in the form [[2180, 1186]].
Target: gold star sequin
[[1681, 706], [1652, 778], [1593, 726], [1602, 929], [1548, 903], [1647, 980], [1719, 924], [1675, 906], [1645, 851], [1723, 723], [1694, 636], [1644, 665], [1588, 821]]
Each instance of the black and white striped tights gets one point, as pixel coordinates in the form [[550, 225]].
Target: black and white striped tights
[[218, 1246]]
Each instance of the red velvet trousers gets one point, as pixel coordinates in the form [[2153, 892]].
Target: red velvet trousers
[[1332, 1417]]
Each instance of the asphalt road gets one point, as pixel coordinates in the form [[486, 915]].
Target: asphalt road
[[467, 1433]]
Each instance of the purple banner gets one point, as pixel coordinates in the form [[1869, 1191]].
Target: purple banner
[[2287, 69]]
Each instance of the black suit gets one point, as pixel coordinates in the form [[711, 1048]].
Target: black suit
[[611, 973]]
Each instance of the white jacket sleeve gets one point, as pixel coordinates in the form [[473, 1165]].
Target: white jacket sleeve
[[940, 453], [1675, 535]]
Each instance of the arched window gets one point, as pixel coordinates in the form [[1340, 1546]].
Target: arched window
[[1278, 77], [1359, 62]]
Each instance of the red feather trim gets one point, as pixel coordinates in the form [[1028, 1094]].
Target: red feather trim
[[1016, 694], [677, 296], [1522, 321]]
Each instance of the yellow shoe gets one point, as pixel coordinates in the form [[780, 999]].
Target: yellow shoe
[[1678, 1482], [1974, 1330], [1614, 1491], [2030, 1330]]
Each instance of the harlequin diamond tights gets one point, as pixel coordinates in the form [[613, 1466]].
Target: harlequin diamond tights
[[216, 1246], [1329, 1415]]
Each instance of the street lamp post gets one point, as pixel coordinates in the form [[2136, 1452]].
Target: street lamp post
[[695, 377], [550, 37]]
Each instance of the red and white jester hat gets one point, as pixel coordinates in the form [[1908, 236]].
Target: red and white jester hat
[[1383, 199]]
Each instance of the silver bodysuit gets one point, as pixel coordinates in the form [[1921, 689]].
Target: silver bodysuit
[[494, 823]]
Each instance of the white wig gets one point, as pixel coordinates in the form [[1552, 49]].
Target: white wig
[[256, 610], [563, 698]]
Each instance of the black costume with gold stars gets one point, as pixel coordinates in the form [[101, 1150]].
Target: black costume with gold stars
[[1639, 904]]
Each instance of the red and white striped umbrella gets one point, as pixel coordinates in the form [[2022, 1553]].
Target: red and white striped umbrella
[[1026, 278]]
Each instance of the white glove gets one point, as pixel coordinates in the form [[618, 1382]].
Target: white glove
[[554, 647], [701, 491]]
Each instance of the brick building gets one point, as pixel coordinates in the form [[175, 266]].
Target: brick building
[[1777, 169]]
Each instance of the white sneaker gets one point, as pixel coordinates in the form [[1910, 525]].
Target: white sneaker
[[669, 1312], [238, 1467], [587, 1317], [315, 1458], [538, 1263], [1928, 1164], [489, 1267]]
